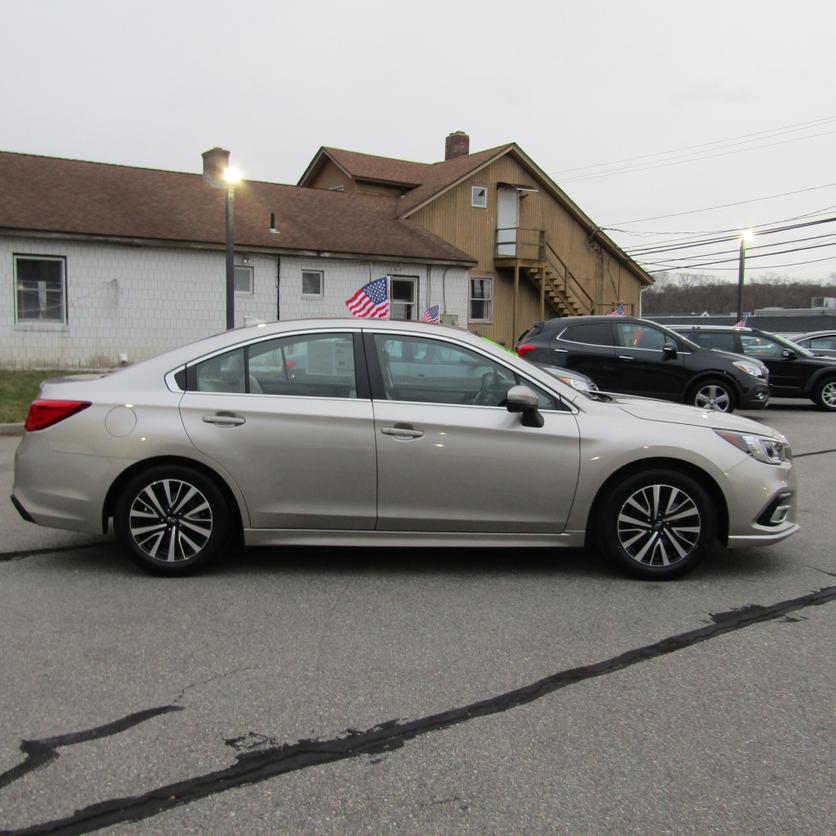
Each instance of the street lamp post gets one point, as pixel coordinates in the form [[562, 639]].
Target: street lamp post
[[231, 177], [220, 175], [745, 236]]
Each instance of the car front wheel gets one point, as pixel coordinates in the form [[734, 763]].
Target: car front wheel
[[826, 395], [713, 394], [172, 519], [657, 524]]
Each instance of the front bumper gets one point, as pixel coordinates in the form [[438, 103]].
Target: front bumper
[[757, 397]]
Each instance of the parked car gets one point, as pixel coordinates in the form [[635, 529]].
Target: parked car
[[639, 357], [819, 343], [794, 372], [390, 433]]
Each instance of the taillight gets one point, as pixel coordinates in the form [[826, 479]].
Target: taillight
[[43, 414], [523, 349]]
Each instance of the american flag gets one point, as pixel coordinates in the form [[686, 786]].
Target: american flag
[[371, 301], [432, 314], [619, 311], [742, 322]]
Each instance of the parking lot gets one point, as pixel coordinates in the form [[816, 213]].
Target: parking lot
[[415, 691]]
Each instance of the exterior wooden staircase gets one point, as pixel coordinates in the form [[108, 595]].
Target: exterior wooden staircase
[[557, 286]]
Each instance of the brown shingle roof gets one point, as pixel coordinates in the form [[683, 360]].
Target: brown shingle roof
[[426, 179], [386, 169], [47, 194]]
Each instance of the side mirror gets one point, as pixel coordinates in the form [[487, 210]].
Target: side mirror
[[669, 351], [788, 354], [524, 400]]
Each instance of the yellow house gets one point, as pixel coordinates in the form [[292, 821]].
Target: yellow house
[[538, 255]]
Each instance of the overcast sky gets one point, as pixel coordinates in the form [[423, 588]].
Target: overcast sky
[[740, 93]]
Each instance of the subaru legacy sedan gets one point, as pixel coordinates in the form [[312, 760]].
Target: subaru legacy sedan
[[348, 432]]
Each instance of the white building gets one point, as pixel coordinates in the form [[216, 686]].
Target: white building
[[107, 264]]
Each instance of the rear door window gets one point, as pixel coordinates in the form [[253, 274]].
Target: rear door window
[[722, 342], [308, 365], [592, 333]]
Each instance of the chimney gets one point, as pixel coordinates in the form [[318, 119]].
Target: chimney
[[215, 163], [456, 145]]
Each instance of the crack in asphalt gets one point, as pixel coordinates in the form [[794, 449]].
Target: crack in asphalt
[[23, 553], [41, 752], [257, 764]]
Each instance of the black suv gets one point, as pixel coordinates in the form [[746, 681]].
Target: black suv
[[794, 372], [639, 357]]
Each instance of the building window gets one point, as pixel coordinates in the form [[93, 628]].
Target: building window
[[479, 197], [481, 299], [40, 288], [312, 283], [244, 279], [404, 297]]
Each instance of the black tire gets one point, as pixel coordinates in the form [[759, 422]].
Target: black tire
[[657, 524], [172, 520], [826, 395], [713, 394]]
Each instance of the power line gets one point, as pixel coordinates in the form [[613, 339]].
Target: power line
[[685, 159], [614, 226], [692, 233], [750, 249], [638, 252], [796, 126], [760, 255], [767, 267]]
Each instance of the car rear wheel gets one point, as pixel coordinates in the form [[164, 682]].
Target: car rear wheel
[[826, 395], [172, 519], [713, 394], [657, 524]]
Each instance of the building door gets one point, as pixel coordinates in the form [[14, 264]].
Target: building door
[[507, 220]]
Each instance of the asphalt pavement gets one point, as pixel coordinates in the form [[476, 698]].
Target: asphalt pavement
[[416, 691]]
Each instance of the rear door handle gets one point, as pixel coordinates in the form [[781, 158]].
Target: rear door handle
[[402, 431], [224, 419], [624, 357]]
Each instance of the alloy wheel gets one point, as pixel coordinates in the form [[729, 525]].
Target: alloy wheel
[[170, 520], [713, 396], [828, 395], [658, 525]]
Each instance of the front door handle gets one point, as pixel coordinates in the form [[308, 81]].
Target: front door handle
[[225, 419], [402, 431], [625, 357]]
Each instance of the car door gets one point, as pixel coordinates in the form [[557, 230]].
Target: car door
[[450, 456], [290, 419], [787, 375], [587, 347], [643, 368]]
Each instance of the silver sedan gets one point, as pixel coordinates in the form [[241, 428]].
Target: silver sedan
[[347, 432]]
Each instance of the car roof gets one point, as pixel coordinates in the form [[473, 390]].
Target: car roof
[[809, 334], [741, 328]]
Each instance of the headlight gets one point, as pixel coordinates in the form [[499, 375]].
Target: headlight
[[577, 383], [763, 448], [749, 368]]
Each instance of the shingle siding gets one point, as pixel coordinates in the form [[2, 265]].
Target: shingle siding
[[139, 301]]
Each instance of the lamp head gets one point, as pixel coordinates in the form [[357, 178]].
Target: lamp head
[[232, 176]]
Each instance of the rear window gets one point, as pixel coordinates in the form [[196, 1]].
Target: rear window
[[722, 342], [591, 333]]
